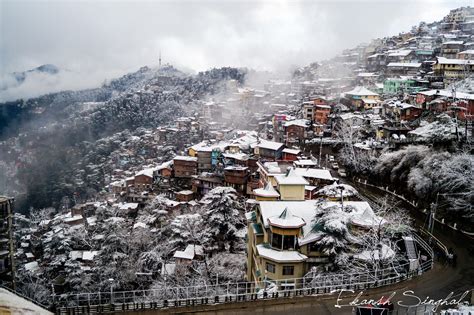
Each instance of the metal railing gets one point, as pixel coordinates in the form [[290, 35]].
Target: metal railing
[[205, 294]]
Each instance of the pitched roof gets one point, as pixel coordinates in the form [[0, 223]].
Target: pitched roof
[[291, 178], [286, 220], [268, 191], [361, 91]]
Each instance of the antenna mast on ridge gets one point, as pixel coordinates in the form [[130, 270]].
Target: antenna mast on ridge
[[159, 60]]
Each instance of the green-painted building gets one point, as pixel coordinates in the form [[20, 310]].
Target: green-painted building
[[394, 86]]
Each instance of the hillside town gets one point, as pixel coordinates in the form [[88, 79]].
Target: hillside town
[[259, 184]]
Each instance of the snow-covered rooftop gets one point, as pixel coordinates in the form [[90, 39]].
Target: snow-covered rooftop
[[297, 122], [291, 178], [292, 151], [446, 61], [313, 173], [185, 158], [189, 253], [404, 64], [286, 220], [280, 256], [267, 191], [361, 91], [305, 163], [270, 145]]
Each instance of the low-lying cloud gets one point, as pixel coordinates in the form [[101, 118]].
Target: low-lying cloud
[[100, 40]]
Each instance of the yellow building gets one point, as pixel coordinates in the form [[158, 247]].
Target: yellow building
[[282, 238], [291, 186], [453, 69]]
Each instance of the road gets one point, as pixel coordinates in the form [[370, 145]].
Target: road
[[435, 284]]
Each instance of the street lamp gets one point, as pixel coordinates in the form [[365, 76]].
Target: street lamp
[[111, 280]]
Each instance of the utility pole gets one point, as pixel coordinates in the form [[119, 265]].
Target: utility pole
[[433, 209], [320, 149]]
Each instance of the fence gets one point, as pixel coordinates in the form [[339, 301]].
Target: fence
[[166, 297]]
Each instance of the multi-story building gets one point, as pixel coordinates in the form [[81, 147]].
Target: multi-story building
[[451, 48], [358, 94], [282, 238], [453, 69], [7, 264]]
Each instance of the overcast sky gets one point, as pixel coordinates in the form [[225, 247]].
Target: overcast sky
[[104, 39]]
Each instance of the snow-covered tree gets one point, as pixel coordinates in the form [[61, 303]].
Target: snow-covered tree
[[336, 240], [223, 216]]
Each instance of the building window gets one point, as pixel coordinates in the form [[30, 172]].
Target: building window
[[288, 270], [289, 242], [277, 239], [270, 267]]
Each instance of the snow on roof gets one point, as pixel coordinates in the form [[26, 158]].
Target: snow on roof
[[88, 255], [404, 64], [313, 173], [453, 42], [286, 220], [347, 116], [268, 191], [270, 145], [305, 163], [291, 178], [235, 168], [369, 255], [185, 158], [127, 206], [292, 151], [446, 93], [280, 256], [297, 122], [334, 190], [361, 91], [400, 53], [236, 156], [468, 52], [367, 74], [272, 167], [31, 266], [205, 146], [147, 172], [74, 218], [446, 61], [185, 192], [189, 252], [309, 187], [75, 254]]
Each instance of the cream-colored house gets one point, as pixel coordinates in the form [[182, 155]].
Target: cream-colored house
[[282, 238]]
